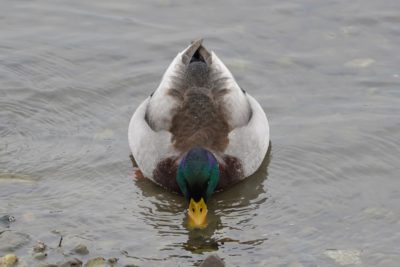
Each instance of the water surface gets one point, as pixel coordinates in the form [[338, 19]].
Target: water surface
[[326, 73]]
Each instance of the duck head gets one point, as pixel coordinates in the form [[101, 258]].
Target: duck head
[[197, 177]]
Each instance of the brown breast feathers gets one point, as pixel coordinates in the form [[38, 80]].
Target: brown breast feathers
[[199, 121]]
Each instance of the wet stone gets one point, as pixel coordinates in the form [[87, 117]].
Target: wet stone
[[72, 263], [39, 246], [11, 241], [6, 220], [112, 261], [360, 63], [106, 134], [81, 249], [46, 265], [39, 255], [344, 257], [8, 260], [96, 262], [212, 261]]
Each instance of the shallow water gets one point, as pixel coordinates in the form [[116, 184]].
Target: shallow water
[[326, 73]]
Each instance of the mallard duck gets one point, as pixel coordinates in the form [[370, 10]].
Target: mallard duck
[[199, 132]]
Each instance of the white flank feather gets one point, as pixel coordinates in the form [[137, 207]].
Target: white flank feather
[[250, 142], [235, 101], [148, 146], [161, 107]]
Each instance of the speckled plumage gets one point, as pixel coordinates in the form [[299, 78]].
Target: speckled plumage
[[198, 104]]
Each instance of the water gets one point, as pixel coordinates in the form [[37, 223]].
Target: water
[[326, 73]]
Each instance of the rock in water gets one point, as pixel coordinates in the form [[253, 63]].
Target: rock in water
[[344, 257], [72, 263], [8, 260], [112, 261], [81, 249], [39, 247], [359, 63], [6, 220], [96, 262], [39, 255], [212, 261]]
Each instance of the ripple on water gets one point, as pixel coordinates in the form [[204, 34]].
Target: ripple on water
[[10, 241], [31, 122]]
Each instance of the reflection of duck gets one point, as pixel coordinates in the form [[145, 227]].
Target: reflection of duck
[[199, 241], [199, 131], [250, 190]]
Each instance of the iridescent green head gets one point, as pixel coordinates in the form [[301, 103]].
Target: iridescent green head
[[197, 177]]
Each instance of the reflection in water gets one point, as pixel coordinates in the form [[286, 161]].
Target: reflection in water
[[203, 240], [236, 201]]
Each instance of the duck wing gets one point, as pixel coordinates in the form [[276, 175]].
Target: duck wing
[[249, 143], [181, 77]]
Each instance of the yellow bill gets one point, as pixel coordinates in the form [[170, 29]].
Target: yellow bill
[[197, 213]]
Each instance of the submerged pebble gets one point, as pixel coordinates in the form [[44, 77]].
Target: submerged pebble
[[39, 246], [8, 260], [359, 63], [96, 262], [112, 261], [344, 257], [212, 261], [46, 265], [72, 263], [7, 219], [106, 134], [39, 255], [81, 249]]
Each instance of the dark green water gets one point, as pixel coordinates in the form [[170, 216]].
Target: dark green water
[[326, 73]]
